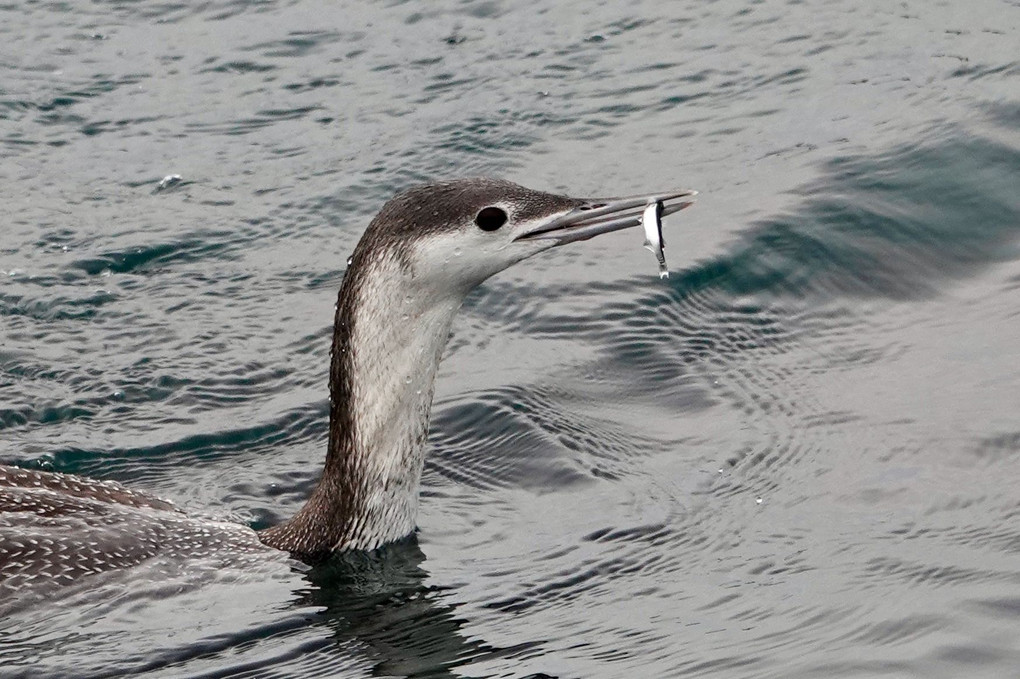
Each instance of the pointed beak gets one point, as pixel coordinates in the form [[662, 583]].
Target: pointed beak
[[602, 215]]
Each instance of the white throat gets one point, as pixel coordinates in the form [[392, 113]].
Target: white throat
[[392, 324], [400, 328]]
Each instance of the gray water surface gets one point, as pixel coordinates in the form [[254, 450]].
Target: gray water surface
[[799, 456]]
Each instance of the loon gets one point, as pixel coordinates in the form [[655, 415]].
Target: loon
[[409, 274]]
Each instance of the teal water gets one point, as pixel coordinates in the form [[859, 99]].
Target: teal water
[[799, 456]]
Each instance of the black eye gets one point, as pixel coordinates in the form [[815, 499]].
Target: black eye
[[490, 219]]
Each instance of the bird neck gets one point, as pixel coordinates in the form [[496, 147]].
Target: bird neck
[[388, 337]]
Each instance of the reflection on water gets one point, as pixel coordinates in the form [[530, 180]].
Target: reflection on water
[[377, 610], [402, 625]]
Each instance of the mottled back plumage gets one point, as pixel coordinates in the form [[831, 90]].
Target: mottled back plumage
[[58, 528]]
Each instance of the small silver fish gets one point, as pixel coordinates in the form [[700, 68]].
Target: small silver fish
[[651, 219]]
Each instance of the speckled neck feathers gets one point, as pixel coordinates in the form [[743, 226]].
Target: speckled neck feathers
[[389, 334]]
